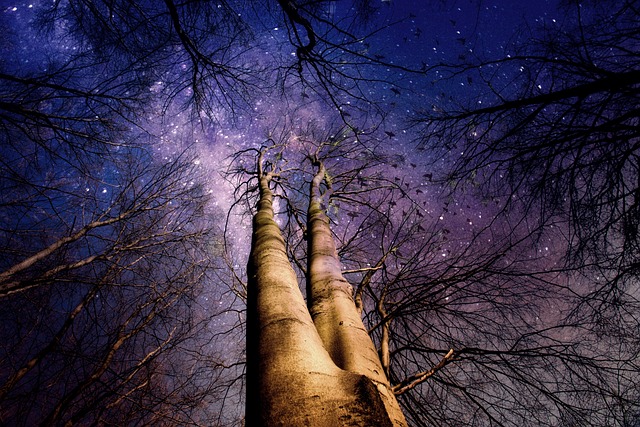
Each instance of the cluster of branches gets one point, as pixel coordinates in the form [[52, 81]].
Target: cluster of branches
[[105, 249], [556, 139], [216, 58], [562, 134], [334, 58], [189, 53], [98, 297]]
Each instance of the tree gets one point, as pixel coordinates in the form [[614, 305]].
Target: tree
[[98, 298], [561, 134], [315, 365]]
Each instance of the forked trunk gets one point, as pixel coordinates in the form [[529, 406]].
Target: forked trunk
[[291, 378]]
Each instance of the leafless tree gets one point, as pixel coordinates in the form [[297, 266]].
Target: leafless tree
[[315, 365], [100, 296]]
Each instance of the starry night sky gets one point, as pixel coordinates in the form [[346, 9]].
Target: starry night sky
[[421, 36], [402, 69]]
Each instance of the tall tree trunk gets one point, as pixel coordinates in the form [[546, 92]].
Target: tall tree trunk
[[291, 378], [331, 304]]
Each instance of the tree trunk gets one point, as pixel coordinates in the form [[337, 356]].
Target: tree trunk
[[291, 378], [331, 304]]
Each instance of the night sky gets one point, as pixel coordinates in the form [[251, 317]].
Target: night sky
[[405, 73], [422, 35]]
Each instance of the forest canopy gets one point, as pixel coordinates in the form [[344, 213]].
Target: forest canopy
[[477, 165]]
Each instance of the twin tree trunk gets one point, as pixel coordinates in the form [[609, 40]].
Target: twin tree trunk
[[316, 365]]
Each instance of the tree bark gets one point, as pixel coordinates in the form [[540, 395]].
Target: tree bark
[[291, 378]]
